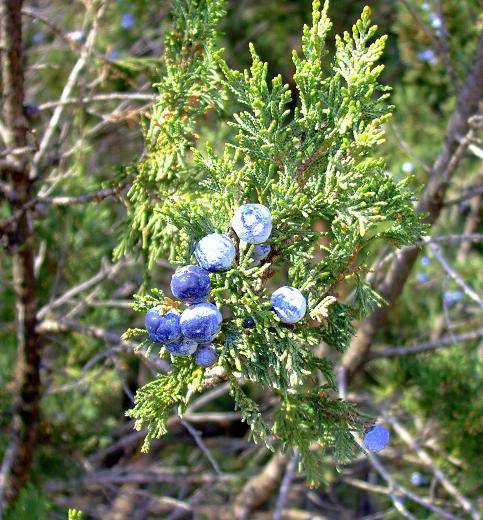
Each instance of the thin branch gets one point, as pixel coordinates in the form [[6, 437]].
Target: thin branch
[[426, 347], [439, 44], [66, 92], [454, 275], [439, 474], [393, 487], [107, 271], [201, 445], [62, 326], [132, 96], [285, 486]]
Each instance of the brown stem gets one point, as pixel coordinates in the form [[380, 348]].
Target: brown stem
[[19, 455], [431, 203]]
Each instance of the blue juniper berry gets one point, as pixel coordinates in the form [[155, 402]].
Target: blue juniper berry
[[252, 223], [205, 355], [249, 322], [417, 478], [162, 328], [289, 304], [259, 251], [215, 252], [377, 438], [201, 322], [127, 20], [182, 347], [190, 284]]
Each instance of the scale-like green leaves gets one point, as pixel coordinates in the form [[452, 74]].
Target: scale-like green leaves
[[316, 167]]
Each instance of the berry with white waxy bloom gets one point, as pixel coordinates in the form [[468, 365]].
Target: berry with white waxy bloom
[[252, 223], [205, 355], [182, 347], [201, 322], [289, 304], [377, 438], [162, 328], [215, 252], [190, 284]]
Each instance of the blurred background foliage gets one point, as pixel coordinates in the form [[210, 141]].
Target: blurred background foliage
[[84, 402]]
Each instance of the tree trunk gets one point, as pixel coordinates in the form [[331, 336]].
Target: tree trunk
[[19, 454]]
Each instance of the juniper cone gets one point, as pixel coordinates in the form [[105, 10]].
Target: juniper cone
[[259, 251], [289, 304], [215, 252], [249, 323], [201, 322], [205, 355], [182, 347], [190, 284], [377, 438], [252, 223], [162, 328]]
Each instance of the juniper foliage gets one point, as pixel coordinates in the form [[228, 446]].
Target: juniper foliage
[[315, 164]]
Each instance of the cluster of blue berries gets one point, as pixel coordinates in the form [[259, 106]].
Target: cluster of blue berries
[[192, 332]]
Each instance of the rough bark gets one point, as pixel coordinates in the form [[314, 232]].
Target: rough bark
[[431, 203], [19, 455]]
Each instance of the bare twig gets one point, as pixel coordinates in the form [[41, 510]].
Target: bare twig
[[113, 96], [393, 488], [454, 275], [439, 474], [285, 486], [60, 326], [426, 347], [107, 271], [66, 92], [201, 445]]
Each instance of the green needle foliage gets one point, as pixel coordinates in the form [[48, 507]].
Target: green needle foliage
[[74, 514], [316, 168]]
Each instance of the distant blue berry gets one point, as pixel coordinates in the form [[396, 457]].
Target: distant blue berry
[[289, 304], [429, 56], [417, 479], [425, 260], [252, 223], [215, 252], [37, 37], [201, 322], [77, 36], [452, 297], [422, 277], [436, 22], [190, 284], [162, 328], [205, 355], [127, 20], [182, 347], [407, 167], [377, 438], [249, 323]]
